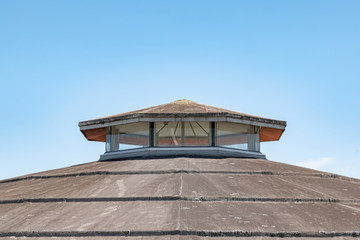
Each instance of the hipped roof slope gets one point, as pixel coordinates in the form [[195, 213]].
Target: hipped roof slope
[[180, 108]]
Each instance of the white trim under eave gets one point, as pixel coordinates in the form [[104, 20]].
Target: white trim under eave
[[171, 152]]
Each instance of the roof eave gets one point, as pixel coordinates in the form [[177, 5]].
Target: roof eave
[[148, 117]]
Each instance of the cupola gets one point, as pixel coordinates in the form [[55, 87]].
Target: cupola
[[182, 128]]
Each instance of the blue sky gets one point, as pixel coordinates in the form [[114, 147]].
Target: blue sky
[[62, 62]]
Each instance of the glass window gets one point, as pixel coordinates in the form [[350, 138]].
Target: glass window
[[177, 134], [127, 136], [196, 134], [236, 135], [168, 134], [182, 134]]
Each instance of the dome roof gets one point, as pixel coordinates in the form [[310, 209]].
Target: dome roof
[[180, 198]]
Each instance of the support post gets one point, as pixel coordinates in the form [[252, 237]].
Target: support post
[[182, 134], [114, 139], [212, 134], [151, 134]]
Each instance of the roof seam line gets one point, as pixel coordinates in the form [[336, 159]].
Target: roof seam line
[[174, 172], [179, 232], [179, 198]]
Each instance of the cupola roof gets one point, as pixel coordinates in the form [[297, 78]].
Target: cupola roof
[[95, 129]]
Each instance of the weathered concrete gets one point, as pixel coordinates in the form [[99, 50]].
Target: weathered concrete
[[194, 185], [182, 198], [185, 216], [227, 165]]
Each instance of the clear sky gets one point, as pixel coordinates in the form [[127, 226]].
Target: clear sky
[[62, 62]]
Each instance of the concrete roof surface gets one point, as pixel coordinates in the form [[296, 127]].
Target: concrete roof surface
[[180, 198]]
